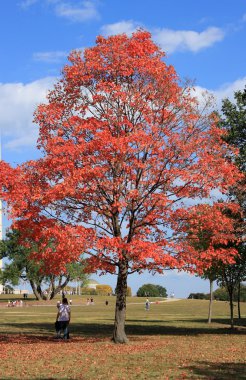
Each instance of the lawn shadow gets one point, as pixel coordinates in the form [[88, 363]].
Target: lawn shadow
[[32, 339], [223, 321], [94, 330], [157, 329], [220, 371]]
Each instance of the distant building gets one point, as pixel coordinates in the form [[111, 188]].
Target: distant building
[[21, 291], [7, 289], [91, 284]]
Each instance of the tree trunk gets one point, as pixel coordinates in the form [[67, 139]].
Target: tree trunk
[[210, 301], [34, 289], [40, 291], [238, 300], [57, 289], [231, 309], [230, 286], [119, 335], [50, 288]]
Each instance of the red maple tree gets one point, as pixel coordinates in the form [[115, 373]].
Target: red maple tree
[[124, 146], [208, 236]]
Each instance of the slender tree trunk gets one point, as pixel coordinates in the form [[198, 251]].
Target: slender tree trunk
[[40, 291], [210, 301], [57, 289], [119, 335], [230, 286], [34, 289], [50, 288], [231, 309], [238, 300]]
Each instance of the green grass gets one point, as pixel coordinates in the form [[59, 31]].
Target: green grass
[[171, 341]]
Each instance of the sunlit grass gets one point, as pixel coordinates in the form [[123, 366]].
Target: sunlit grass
[[171, 341]]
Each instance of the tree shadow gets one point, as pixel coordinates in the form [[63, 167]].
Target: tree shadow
[[220, 371], [157, 329], [48, 329], [223, 321], [32, 339], [133, 328]]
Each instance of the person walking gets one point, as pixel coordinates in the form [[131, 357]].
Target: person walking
[[147, 304], [63, 318]]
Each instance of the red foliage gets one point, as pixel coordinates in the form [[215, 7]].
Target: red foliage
[[207, 235], [124, 144]]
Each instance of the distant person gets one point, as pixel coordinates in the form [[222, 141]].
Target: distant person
[[63, 318], [88, 301], [58, 304], [147, 304], [106, 302], [92, 301]]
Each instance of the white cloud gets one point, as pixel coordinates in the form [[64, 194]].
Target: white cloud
[[228, 89], [27, 3], [54, 56], [182, 40], [127, 27], [17, 104], [171, 40], [225, 91], [84, 11], [87, 11], [50, 56]]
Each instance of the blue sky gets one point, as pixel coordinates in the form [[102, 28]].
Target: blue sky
[[204, 40]]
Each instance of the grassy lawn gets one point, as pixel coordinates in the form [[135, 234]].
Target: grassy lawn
[[171, 341]]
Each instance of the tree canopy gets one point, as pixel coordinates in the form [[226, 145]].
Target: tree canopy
[[20, 267], [233, 118], [151, 290], [125, 146]]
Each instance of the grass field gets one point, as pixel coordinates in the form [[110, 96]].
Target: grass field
[[171, 341]]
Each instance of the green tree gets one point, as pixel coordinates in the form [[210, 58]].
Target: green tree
[[21, 267], [151, 290], [198, 296], [233, 119], [221, 294]]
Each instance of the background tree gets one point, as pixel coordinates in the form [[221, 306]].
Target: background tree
[[88, 291], [151, 290], [103, 290], [21, 267], [230, 277], [233, 119], [199, 296], [203, 235], [221, 294], [123, 145]]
